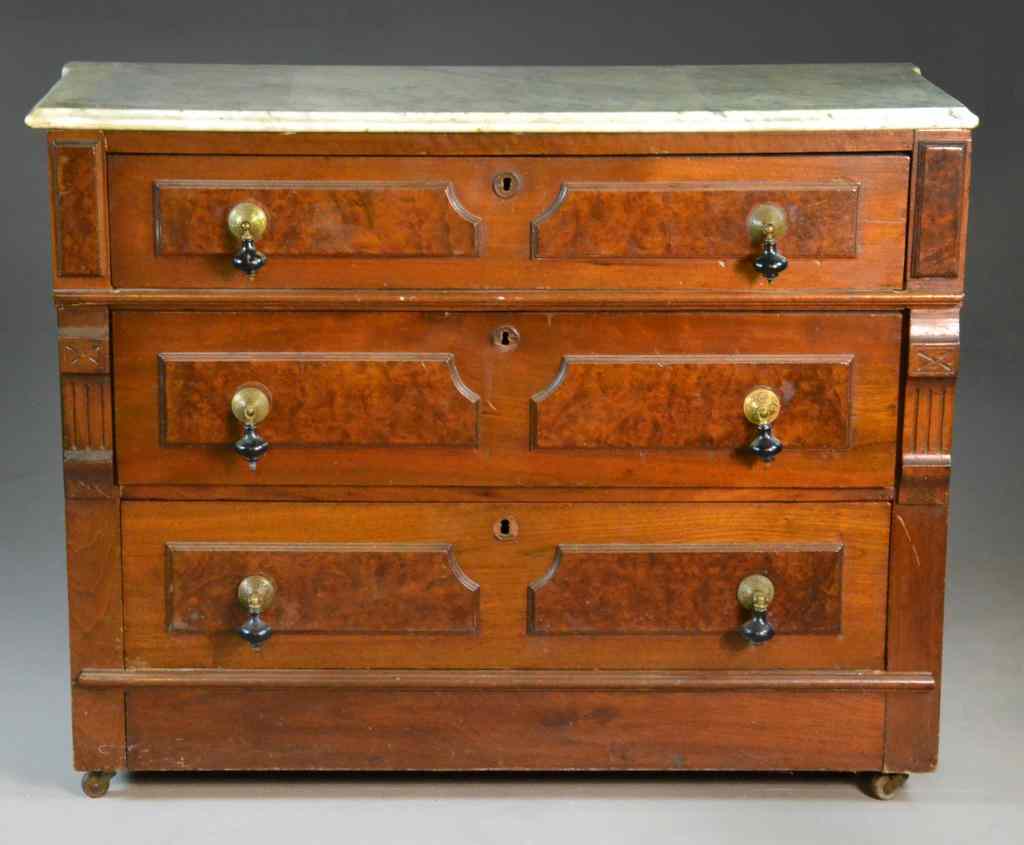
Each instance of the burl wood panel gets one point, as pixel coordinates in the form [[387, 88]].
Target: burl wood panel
[[939, 209], [852, 406], [849, 635], [652, 589], [874, 241], [368, 219], [79, 218], [322, 588], [689, 402], [528, 730], [693, 220], [340, 400]]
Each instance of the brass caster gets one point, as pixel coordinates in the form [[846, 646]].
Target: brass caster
[[884, 785], [96, 784]]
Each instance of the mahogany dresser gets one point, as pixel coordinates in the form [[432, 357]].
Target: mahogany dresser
[[506, 418]]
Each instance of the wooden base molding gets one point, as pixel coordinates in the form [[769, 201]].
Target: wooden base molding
[[508, 679]]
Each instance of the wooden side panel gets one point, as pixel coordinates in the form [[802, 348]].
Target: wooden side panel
[[366, 219], [917, 565], [626, 221], [321, 588], [501, 730], [353, 399], [637, 589], [689, 402], [92, 514], [78, 210], [938, 221]]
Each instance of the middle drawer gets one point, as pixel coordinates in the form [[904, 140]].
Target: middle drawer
[[507, 399]]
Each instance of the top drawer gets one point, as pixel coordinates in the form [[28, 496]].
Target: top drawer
[[624, 222]]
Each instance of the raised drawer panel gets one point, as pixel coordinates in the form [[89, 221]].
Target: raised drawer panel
[[579, 222], [354, 219], [680, 589], [581, 586], [322, 399], [404, 588], [612, 220], [583, 400], [689, 402]]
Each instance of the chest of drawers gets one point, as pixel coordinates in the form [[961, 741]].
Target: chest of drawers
[[506, 419]]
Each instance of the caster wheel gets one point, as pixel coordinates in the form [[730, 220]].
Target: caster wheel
[[96, 784], [884, 785]]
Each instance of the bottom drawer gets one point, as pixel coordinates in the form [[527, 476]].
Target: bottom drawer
[[539, 730], [533, 586]]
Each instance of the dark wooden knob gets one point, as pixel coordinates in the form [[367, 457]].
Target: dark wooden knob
[[250, 406], [247, 222], [770, 263]]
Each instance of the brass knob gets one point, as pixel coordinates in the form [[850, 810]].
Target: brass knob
[[761, 407], [755, 593], [250, 406], [256, 594], [247, 222]]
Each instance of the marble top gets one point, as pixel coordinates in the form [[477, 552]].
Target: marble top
[[698, 98]]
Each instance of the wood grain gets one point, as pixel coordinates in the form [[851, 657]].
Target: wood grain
[[367, 219], [503, 570], [595, 221], [79, 218], [323, 588], [505, 248], [536, 730], [941, 183], [320, 399], [860, 423], [689, 402], [490, 143], [678, 589]]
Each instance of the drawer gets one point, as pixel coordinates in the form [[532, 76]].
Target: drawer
[[469, 222], [507, 400], [515, 585]]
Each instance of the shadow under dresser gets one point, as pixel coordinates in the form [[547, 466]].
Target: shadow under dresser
[[609, 429]]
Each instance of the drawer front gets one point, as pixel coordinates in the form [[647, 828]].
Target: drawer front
[[507, 400], [585, 223], [565, 586]]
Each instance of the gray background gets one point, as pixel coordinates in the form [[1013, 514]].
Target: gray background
[[966, 48]]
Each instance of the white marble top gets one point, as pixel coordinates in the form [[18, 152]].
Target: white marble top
[[699, 98]]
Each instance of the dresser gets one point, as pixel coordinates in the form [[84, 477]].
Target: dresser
[[508, 418]]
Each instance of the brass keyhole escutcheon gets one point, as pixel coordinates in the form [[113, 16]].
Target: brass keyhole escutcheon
[[762, 406], [505, 338], [506, 184]]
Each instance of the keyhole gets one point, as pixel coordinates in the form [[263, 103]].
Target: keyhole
[[506, 528], [506, 184], [505, 338]]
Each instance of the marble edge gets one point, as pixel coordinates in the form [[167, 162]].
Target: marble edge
[[958, 117]]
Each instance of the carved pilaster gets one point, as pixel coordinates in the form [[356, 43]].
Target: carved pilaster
[[917, 559], [92, 511]]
